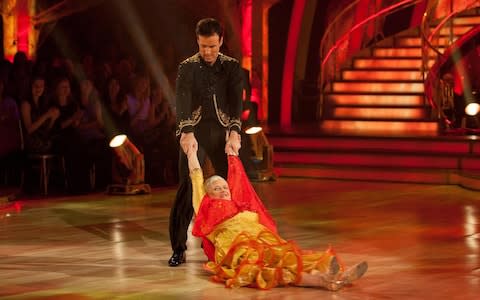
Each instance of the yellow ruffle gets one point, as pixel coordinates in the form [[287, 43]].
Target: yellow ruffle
[[264, 261]]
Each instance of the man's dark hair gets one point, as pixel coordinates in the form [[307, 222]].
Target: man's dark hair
[[209, 27]]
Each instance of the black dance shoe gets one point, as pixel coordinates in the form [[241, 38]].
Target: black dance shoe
[[177, 259]]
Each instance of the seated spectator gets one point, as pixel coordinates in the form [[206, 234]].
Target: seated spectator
[[91, 133], [68, 141], [138, 108], [115, 115], [38, 118], [90, 126], [160, 114], [161, 152]]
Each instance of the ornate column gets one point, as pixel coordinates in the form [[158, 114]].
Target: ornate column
[[18, 32], [259, 60], [9, 28]]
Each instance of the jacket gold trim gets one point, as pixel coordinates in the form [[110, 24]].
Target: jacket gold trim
[[193, 120]]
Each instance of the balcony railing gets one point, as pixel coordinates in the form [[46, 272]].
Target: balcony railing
[[439, 34]]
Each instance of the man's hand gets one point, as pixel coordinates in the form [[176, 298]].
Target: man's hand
[[188, 142], [233, 143]]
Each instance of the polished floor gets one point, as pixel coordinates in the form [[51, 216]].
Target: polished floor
[[421, 242]]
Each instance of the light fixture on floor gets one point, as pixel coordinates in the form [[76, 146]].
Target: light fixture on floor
[[256, 152], [471, 118], [251, 125], [472, 109], [128, 169]]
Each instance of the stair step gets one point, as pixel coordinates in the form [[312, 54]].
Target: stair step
[[396, 113], [466, 20], [398, 52], [378, 87], [476, 148], [382, 174], [417, 41], [457, 30], [430, 146], [371, 99], [376, 127], [379, 160], [388, 63], [414, 31], [470, 163], [381, 75], [368, 160]]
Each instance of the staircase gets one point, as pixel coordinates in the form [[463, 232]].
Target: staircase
[[376, 125], [381, 91]]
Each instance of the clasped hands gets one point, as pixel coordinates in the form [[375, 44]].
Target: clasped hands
[[189, 143], [233, 144]]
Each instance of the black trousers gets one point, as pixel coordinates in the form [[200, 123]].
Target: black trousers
[[211, 142]]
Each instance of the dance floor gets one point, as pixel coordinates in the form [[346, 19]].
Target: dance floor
[[421, 242]]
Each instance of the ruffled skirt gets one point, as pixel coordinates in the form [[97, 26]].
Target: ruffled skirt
[[265, 261]]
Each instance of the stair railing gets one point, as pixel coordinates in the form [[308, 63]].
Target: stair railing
[[335, 48], [439, 15]]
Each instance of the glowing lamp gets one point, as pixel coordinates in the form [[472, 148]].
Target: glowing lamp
[[251, 125], [128, 168], [118, 141], [256, 153], [472, 109], [257, 157], [253, 130]]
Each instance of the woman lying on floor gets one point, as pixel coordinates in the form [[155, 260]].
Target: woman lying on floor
[[241, 242]]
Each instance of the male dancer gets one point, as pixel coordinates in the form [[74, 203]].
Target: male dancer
[[209, 103]]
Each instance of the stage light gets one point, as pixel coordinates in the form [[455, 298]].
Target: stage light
[[472, 109], [257, 157], [251, 125], [128, 169], [253, 130], [256, 152]]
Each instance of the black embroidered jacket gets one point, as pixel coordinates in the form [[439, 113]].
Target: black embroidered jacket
[[204, 91]]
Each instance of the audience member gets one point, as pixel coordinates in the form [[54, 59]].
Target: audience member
[[91, 133], [115, 115], [68, 141], [61, 114], [38, 118], [138, 107], [90, 126], [160, 146]]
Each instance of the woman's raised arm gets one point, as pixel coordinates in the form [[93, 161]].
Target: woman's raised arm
[[196, 175]]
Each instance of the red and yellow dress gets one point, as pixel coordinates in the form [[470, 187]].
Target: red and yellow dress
[[240, 237]]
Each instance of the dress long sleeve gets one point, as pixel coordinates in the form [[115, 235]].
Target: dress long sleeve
[[198, 190]]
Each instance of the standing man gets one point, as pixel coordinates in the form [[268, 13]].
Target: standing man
[[209, 103]]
